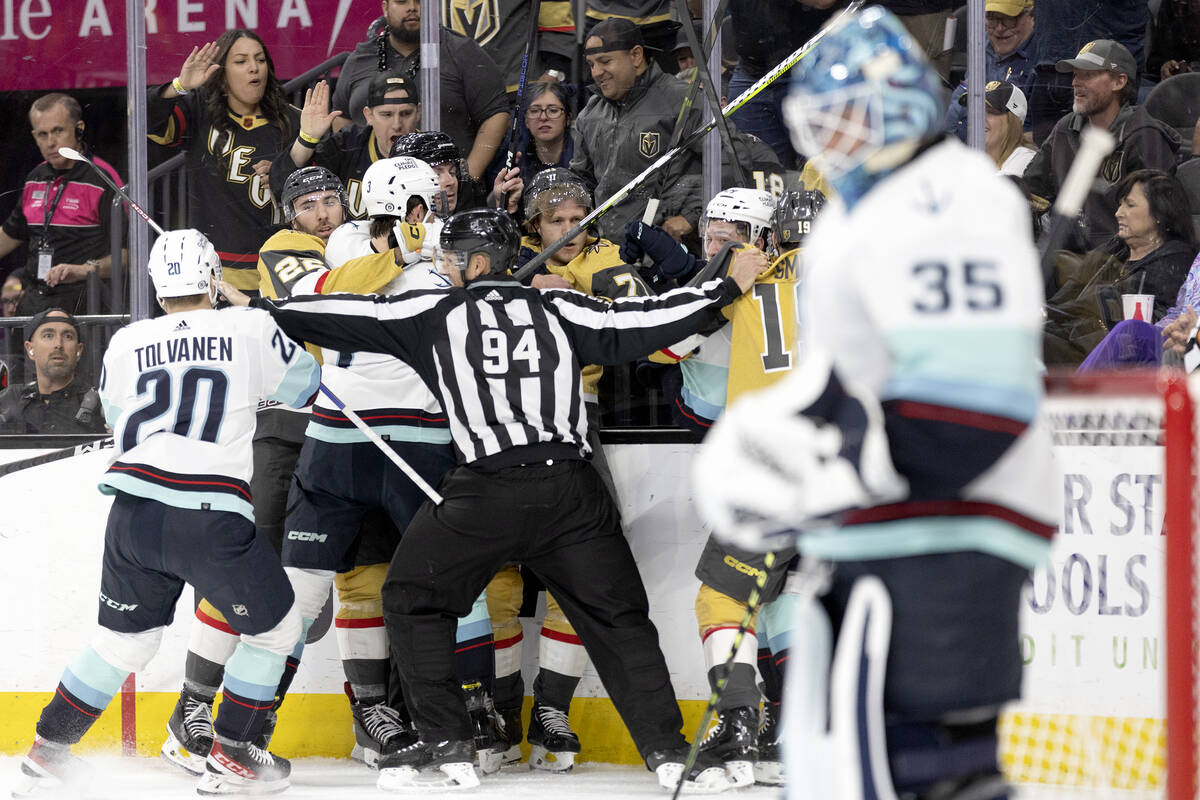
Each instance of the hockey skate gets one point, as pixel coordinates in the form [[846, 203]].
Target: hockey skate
[[707, 775], [189, 732], [429, 766], [510, 732], [49, 766], [378, 730], [553, 744], [768, 769], [490, 743], [242, 768], [734, 742]]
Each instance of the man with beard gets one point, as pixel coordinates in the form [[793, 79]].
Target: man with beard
[[54, 402], [1105, 96], [474, 112]]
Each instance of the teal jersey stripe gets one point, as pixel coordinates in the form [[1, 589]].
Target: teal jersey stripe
[[111, 483], [253, 672], [928, 369], [395, 433], [704, 386], [925, 535], [299, 383], [92, 679]]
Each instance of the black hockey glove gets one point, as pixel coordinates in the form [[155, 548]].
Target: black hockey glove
[[670, 258]]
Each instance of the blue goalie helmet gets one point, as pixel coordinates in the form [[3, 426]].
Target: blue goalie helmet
[[863, 100]]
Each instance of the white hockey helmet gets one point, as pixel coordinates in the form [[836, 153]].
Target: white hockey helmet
[[184, 263], [754, 207], [390, 185]]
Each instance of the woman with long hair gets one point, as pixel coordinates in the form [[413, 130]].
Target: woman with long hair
[[548, 128], [1153, 254], [229, 113], [1004, 139]]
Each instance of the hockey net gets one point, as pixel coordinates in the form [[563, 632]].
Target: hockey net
[[1109, 628]]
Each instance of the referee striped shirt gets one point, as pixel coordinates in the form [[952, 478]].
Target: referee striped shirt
[[504, 359]]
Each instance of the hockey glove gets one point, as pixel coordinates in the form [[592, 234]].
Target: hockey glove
[[417, 241], [671, 259], [794, 456]]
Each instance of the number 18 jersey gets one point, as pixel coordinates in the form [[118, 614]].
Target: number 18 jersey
[[180, 393]]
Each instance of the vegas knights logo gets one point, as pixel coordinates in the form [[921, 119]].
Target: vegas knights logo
[[475, 19], [648, 143]]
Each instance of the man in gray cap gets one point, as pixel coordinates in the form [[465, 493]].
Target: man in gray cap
[[627, 125], [1105, 92]]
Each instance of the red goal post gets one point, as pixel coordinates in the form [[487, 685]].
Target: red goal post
[[1122, 422]]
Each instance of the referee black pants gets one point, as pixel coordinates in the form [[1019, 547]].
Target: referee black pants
[[558, 520]]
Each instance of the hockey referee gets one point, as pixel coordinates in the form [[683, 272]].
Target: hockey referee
[[504, 360]]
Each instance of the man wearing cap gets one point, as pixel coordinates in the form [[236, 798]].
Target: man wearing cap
[[1063, 27], [392, 110], [1105, 94], [1009, 55], [474, 107], [627, 125], [55, 401]]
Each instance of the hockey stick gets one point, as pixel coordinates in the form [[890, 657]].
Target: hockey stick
[[1094, 145], [741, 100], [518, 114], [75, 155], [752, 604], [375, 438], [710, 37], [704, 79], [56, 455]]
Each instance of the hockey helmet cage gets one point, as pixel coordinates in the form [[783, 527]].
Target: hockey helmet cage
[[751, 206], [432, 147], [863, 100], [305, 181], [793, 216], [550, 187], [184, 263], [482, 230], [391, 186]]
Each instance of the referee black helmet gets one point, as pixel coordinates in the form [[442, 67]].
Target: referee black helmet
[[482, 230]]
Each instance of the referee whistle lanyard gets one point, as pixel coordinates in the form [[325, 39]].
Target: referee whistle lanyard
[[49, 209]]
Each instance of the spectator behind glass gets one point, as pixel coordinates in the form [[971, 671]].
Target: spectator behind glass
[[392, 110], [474, 108], [1175, 41], [1062, 27], [228, 112], [548, 127], [1105, 92], [1152, 254], [55, 401], [1009, 55], [64, 213], [1005, 140], [10, 357]]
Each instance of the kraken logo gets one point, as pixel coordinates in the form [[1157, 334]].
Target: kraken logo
[[476, 19]]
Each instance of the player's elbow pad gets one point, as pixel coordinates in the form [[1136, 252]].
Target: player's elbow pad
[[793, 456]]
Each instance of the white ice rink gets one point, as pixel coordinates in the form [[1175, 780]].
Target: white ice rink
[[116, 778]]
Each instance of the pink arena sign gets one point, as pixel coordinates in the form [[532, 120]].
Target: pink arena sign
[[66, 44]]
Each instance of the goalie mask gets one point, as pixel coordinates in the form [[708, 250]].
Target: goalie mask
[[480, 230], [184, 263], [304, 182], [863, 101], [749, 209], [392, 187], [550, 187]]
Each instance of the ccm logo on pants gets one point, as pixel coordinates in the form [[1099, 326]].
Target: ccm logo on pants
[[306, 536]]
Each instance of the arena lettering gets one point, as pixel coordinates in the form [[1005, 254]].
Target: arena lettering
[[1077, 650], [20, 18], [1082, 588], [1136, 497], [184, 348]]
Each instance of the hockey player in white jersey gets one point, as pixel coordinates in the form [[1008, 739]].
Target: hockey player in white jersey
[[180, 393], [907, 445]]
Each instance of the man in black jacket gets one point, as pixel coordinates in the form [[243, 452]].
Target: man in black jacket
[[55, 401]]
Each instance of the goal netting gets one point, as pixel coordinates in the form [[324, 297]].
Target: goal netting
[[1109, 627]]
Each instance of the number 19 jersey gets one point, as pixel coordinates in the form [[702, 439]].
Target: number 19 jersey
[[180, 393]]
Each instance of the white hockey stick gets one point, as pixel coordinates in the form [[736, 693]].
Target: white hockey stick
[[75, 155], [1094, 145], [378, 441]]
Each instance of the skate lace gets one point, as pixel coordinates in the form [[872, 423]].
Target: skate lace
[[554, 721], [197, 719], [382, 722]]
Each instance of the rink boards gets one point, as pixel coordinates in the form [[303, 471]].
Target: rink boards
[[1092, 639]]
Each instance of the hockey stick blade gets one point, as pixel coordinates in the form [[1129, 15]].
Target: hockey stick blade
[[783, 66], [75, 155], [55, 455]]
